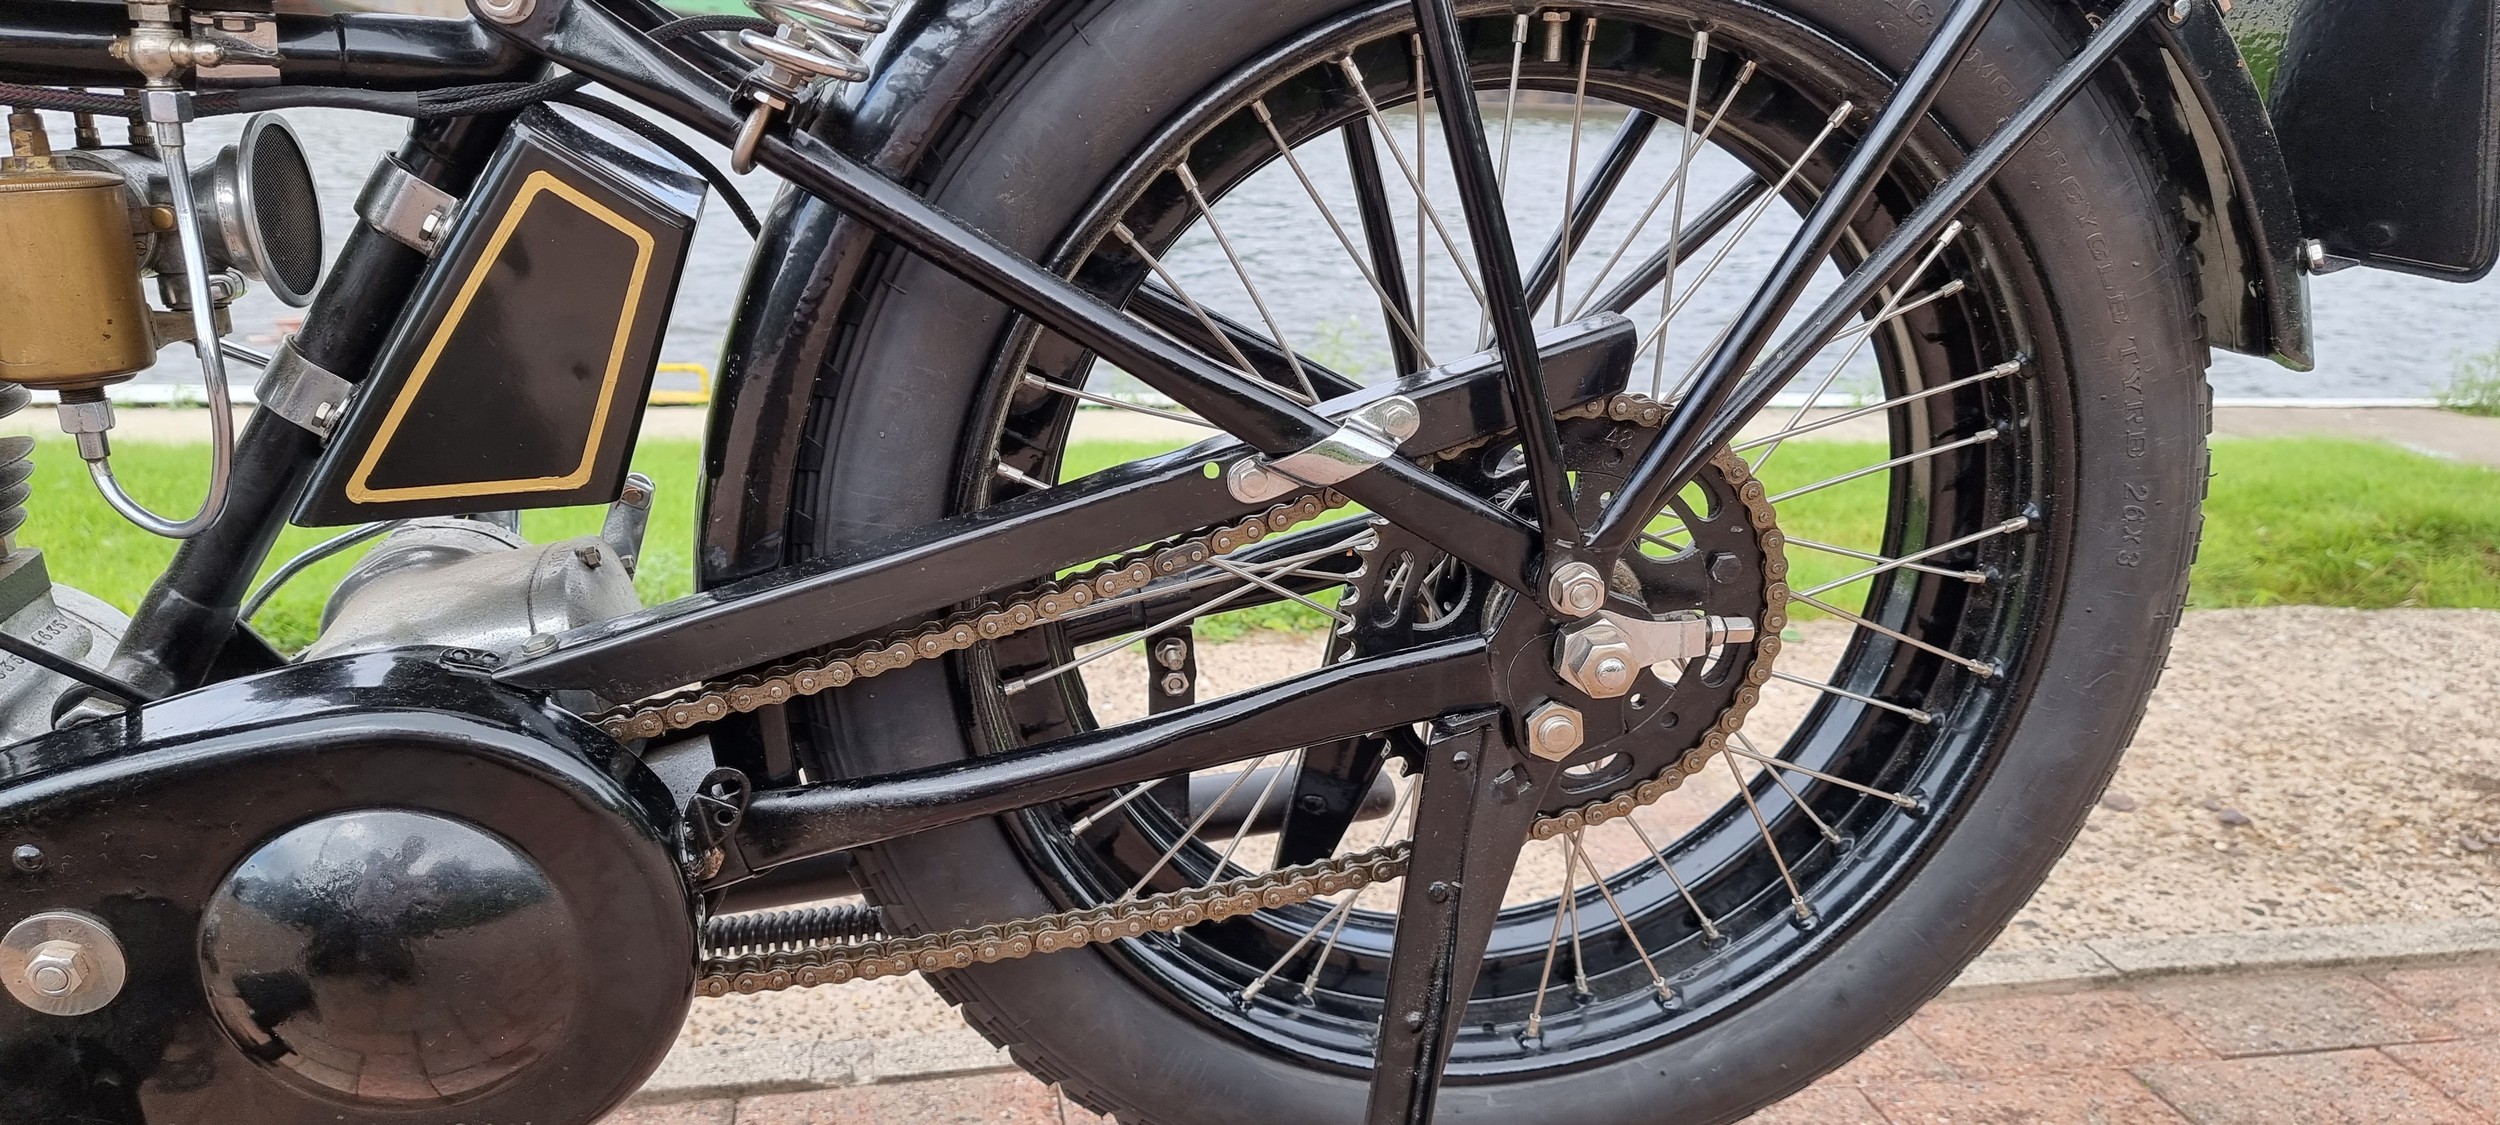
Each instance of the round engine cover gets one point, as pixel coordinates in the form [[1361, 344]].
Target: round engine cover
[[392, 957], [371, 889]]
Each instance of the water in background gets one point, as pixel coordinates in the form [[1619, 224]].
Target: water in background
[[2380, 335]]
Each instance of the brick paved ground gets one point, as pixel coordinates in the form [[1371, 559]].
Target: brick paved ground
[[2401, 1047]]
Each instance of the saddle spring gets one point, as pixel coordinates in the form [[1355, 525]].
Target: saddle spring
[[811, 41]]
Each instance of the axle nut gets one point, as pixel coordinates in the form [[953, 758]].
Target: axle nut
[[1576, 589], [1554, 731], [1597, 658]]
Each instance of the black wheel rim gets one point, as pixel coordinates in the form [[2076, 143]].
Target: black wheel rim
[[1725, 862]]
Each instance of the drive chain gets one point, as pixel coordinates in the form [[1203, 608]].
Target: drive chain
[[840, 962]]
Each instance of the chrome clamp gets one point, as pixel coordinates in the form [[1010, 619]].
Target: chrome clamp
[[410, 210], [1363, 439], [302, 392]]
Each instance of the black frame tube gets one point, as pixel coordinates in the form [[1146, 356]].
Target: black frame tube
[[590, 40], [1497, 267], [840, 597], [1723, 371], [1340, 701], [1587, 207], [1692, 431], [192, 611], [1380, 237]]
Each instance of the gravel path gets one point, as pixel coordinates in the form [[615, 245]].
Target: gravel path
[[2299, 767]]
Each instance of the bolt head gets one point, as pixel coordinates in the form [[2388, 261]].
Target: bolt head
[[1554, 731], [57, 969], [2181, 9], [1399, 418], [1725, 567], [27, 858], [538, 644], [1175, 684], [1576, 589], [1597, 658]]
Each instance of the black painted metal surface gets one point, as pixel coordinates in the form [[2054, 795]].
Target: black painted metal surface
[[838, 597], [519, 375], [53, 42], [188, 623], [2387, 124], [142, 819], [1338, 702]]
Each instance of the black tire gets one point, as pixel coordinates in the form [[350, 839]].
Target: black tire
[[2093, 242]]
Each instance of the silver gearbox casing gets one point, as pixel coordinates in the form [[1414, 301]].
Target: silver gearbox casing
[[471, 584], [63, 619]]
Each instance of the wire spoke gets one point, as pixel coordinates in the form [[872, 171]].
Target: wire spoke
[[1229, 566], [1679, 181], [1196, 823], [1014, 475], [1388, 305], [1829, 836], [1428, 216], [1685, 240], [1082, 395], [1183, 293], [1891, 309], [1242, 831], [1981, 438], [1911, 713], [1343, 910], [1755, 753], [1656, 980], [1553, 943], [1787, 176], [1709, 930], [1998, 372], [1971, 576], [1510, 98], [1095, 817], [1189, 183], [1251, 584], [1796, 898], [1985, 670], [2018, 523], [1566, 238]]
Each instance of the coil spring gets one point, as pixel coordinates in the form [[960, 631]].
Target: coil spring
[[17, 464], [733, 932], [815, 39]]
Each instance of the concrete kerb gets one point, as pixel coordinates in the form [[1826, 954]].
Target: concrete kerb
[[783, 1066]]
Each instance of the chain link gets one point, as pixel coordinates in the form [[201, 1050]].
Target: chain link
[[840, 962]]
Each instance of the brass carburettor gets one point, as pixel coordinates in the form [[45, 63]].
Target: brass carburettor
[[72, 316]]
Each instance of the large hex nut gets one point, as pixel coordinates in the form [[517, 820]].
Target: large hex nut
[[1576, 590], [1555, 731], [1598, 659]]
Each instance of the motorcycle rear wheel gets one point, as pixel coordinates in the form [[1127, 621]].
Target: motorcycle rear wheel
[[2101, 450]]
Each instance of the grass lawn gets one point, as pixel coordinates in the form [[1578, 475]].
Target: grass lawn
[[2290, 521]]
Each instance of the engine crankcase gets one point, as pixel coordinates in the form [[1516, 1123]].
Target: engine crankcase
[[378, 887]]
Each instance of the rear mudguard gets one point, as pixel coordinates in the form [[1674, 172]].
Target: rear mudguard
[[936, 72]]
